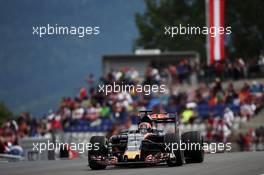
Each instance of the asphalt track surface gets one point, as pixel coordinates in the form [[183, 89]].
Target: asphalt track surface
[[245, 163]]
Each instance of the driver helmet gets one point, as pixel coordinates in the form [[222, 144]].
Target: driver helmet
[[144, 127]]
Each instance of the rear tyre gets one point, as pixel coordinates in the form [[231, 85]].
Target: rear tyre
[[195, 154], [99, 148], [173, 139]]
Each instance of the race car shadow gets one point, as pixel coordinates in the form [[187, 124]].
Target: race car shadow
[[138, 166], [124, 167]]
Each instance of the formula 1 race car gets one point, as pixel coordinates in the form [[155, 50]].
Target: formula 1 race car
[[147, 145]]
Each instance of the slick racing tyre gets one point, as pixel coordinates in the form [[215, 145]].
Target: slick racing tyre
[[195, 153], [99, 148], [178, 155]]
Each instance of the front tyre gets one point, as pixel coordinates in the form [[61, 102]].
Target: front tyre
[[99, 149], [178, 159], [196, 153]]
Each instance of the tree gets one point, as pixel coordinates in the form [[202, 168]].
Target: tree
[[245, 19], [5, 113]]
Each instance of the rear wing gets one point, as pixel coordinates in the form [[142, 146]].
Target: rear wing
[[163, 118]]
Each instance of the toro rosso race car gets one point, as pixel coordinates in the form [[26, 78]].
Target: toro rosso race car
[[147, 145]]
